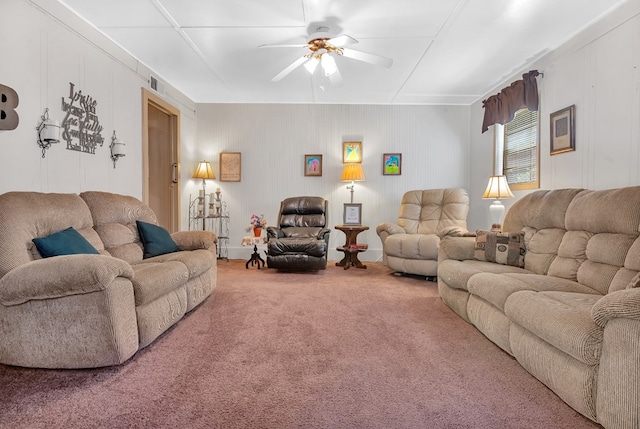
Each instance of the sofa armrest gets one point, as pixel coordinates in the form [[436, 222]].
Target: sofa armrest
[[459, 248], [273, 232], [61, 276], [386, 229], [620, 304], [194, 240], [323, 234], [455, 231]]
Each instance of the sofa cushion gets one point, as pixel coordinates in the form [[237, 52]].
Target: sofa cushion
[[562, 319], [27, 215], [155, 239], [197, 261], [152, 280], [431, 211], [412, 246], [65, 242], [496, 288], [456, 273], [114, 219], [506, 248]]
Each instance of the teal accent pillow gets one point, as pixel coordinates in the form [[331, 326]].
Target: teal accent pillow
[[65, 242], [155, 239]]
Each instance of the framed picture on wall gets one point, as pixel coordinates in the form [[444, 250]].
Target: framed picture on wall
[[230, 166], [352, 214], [351, 152], [392, 164], [563, 130], [313, 165]]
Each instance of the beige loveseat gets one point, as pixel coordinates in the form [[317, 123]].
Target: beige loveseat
[[91, 310], [571, 316], [411, 244]]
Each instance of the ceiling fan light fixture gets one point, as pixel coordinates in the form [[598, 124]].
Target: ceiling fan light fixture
[[329, 66], [322, 46], [312, 64]]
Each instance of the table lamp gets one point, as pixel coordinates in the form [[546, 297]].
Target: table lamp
[[497, 188]]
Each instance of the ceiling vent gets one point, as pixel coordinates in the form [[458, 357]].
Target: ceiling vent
[[156, 85]]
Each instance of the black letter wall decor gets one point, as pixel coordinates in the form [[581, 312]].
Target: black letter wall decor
[[8, 102]]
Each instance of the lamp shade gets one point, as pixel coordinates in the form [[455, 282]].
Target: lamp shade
[[204, 171], [353, 173], [497, 188]]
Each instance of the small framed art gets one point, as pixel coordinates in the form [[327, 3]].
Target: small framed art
[[313, 165], [352, 214], [230, 166], [351, 152], [563, 130], [392, 164]]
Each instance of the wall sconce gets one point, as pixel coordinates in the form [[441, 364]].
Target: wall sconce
[[117, 149], [352, 173], [497, 188], [48, 132]]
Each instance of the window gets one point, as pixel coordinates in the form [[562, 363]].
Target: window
[[520, 150]]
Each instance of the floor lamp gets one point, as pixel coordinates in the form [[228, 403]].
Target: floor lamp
[[204, 172]]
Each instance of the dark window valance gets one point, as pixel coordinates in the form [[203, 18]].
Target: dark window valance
[[502, 107]]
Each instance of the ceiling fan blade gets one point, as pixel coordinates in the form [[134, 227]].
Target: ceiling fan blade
[[311, 65], [284, 46], [297, 63], [367, 58], [341, 40]]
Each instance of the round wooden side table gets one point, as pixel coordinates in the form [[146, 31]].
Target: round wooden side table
[[351, 248]]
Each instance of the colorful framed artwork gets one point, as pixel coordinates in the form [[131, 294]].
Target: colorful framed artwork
[[352, 214], [392, 164], [351, 152], [313, 165], [230, 166], [563, 130]]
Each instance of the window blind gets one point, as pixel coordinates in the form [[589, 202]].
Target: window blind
[[520, 156]]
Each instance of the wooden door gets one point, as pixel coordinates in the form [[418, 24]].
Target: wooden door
[[161, 123]]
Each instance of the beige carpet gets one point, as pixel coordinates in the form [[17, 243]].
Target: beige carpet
[[334, 349]]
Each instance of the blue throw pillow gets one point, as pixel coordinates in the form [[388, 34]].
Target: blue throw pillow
[[155, 239], [65, 242]]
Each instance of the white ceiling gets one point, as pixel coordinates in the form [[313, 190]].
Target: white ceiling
[[443, 51]]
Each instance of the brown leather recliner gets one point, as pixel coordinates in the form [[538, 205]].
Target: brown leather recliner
[[301, 240]]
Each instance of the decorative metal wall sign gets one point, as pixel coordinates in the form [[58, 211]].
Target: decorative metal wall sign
[[81, 123], [8, 102]]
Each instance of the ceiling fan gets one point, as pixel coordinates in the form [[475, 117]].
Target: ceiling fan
[[322, 45]]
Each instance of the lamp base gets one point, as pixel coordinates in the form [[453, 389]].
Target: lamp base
[[496, 212], [350, 187]]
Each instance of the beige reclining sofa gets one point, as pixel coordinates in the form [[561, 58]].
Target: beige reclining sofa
[[426, 216], [562, 296], [92, 310]]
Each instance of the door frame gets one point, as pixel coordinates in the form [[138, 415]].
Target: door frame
[[151, 99]]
